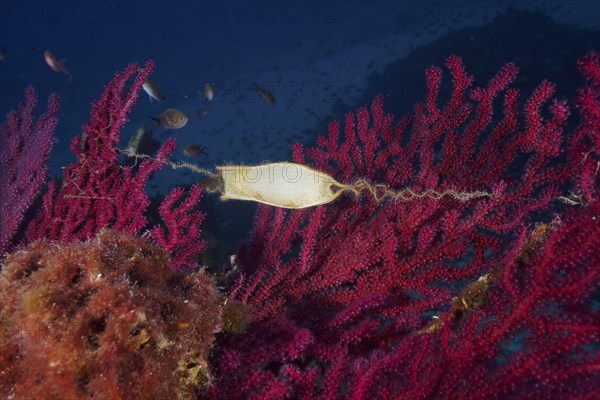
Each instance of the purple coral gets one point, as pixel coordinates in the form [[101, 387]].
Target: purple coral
[[25, 145]]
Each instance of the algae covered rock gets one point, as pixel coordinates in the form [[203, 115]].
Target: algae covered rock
[[107, 318]]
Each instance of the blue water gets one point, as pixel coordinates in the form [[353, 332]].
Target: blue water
[[312, 55]]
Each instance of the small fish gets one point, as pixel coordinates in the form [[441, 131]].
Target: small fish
[[4, 53], [194, 150], [171, 119], [151, 88], [136, 139], [209, 91], [202, 112], [83, 141], [55, 65], [212, 184], [265, 94]]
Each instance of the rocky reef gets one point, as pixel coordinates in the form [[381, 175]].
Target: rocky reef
[[107, 318]]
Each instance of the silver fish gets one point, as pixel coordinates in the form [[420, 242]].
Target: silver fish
[[209, 91], [151, 88]]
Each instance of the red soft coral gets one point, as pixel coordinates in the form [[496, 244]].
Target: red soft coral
[[432, 297]]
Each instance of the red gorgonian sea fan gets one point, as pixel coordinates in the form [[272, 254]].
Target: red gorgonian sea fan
[[99, 193], [488, 298]]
